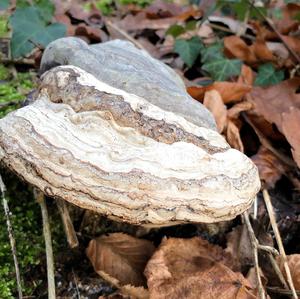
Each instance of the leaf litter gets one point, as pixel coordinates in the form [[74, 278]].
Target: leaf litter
[[245, 70]]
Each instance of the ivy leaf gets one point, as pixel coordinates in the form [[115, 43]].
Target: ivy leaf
[[267, 75], [223, 68], [188, 50], [175, 30], [29, 28], [4, 4], [46, 9], [212, 52]]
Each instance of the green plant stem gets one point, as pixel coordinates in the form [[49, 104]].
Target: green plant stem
[[40, 198], [11, 238]]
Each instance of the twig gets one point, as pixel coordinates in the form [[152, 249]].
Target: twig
[[67, 223], [11, 237], [40, 198], [254, 244], [268, 249], [278, 271], [270, 210], [125, 34]]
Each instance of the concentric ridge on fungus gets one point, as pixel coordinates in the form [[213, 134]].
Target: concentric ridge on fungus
[[104, 149]]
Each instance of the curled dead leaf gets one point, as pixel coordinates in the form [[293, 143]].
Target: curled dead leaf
[[214, 103], [234, 111], [230, 91], [235, 47], [294, 265], [270, 168], [272, 101], [192, 269], [121, 257], [246, 75], [291, 129], [233, 135]]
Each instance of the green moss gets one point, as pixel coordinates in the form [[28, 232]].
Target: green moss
[[27, 228], [4, 30], [14, 90]]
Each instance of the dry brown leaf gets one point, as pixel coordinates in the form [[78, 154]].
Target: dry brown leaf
[[239, 245], [291, 129], [293, 42], [294, 265], [230, 91], [272, 101], [235, 47], [246, 76], [121, 256], [140, 22], [270, 168], [214, 103], [191, 269], [234, 111], [233, 135], [94, 34]]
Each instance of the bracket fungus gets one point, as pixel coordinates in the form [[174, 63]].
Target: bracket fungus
[[114, 137]]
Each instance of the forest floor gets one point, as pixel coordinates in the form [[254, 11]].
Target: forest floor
[[241, 60]]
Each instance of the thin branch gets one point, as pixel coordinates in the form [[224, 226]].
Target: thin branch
[[124, 34], [269, 249], [254, 244], [11, 238], [278, 271], [270, 210], [40, 198], [67, 223]]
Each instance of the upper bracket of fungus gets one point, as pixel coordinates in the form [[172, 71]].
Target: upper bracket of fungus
[[117, 153]]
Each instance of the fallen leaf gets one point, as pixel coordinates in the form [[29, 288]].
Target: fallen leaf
[[121, 256], [272, 101], [246, 75], [235, 47], [230, 91], [233, 135], [270, 168], [140, 22], [214, 103], [294, 265], [291, 129], [192, 269], [234, 111], [94, 34], [293, 42]]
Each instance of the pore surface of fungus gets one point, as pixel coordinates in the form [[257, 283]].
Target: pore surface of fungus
[[108, 150]]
